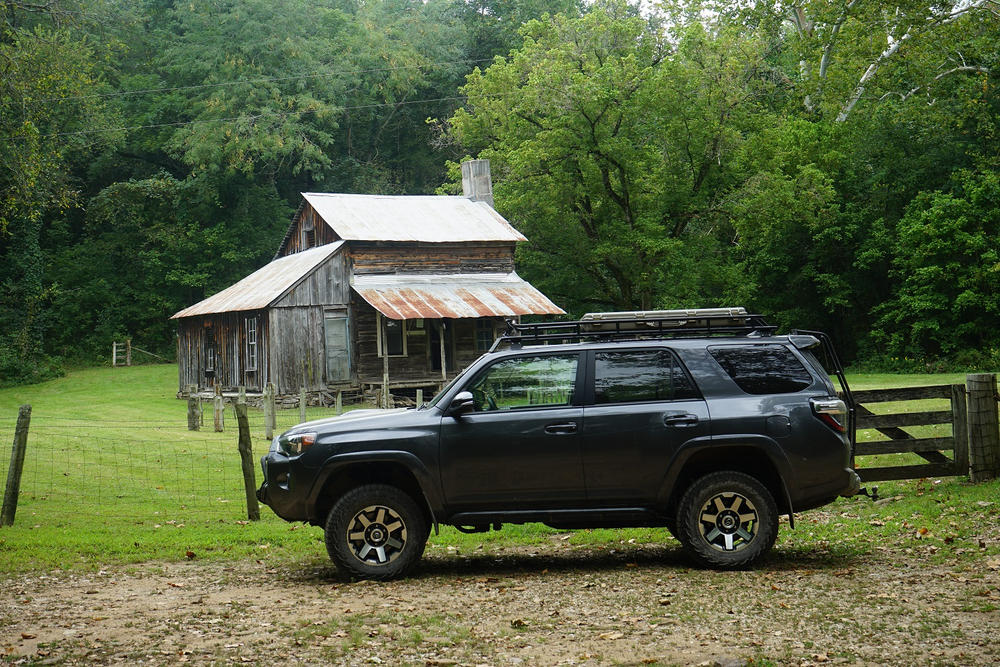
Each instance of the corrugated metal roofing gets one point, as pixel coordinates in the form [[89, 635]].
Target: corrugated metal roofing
[[265, 285], [408, 297], [420, 218]]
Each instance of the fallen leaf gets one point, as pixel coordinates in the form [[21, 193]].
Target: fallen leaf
[[27, 635], [610, 636], [189, 554]]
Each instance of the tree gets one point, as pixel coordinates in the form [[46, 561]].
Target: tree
[[947, 266], [610, 143], [40, 120]]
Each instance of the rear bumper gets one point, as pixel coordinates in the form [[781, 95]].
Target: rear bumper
[[854, 485]]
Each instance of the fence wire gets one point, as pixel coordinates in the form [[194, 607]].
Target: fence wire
[[136, 471]]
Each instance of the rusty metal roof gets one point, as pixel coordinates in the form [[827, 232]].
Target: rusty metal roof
[[415, 218], [410, 296], [265, 285]]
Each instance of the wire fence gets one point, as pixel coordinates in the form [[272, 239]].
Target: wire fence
[[134, 471]]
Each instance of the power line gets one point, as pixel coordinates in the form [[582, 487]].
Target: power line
[[279, 114], [236, 82]]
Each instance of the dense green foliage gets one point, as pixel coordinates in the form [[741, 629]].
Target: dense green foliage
[[833, 165]]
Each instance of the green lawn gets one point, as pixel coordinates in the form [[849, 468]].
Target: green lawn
[[113, 475]]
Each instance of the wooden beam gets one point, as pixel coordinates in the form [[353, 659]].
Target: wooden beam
[[910, 445], [902, 394], [881, 422], [906, 472]]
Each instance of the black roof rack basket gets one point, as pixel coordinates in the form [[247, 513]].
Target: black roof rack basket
[[638, 325]]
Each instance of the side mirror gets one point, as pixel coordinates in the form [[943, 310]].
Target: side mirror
[[462, 404]]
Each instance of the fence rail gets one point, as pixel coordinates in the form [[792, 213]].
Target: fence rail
[[925, 441]]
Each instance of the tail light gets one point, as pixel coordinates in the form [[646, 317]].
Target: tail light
[[832, 412]]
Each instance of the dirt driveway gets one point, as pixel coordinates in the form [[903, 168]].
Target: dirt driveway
[[551, 604]]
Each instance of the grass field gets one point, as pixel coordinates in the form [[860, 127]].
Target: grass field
[[113, 476]]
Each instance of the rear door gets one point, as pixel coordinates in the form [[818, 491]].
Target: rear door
[[644, 405]]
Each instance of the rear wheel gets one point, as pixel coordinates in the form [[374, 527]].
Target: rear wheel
[[376, 532], [727, 520]]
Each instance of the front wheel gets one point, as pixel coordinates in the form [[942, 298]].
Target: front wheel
[[727, 520], [376, 532]]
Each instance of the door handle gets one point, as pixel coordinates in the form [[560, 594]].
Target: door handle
[[681, 421], [561, 429]]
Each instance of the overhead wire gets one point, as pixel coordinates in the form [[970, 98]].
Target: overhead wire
[[229, 119], [235, 82]]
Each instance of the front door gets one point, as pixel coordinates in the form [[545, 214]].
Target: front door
[[522, 441]]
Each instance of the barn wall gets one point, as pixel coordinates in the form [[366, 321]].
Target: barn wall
[[296, 350], [328, 284], [387, 257], [321, 235], [226, 334]]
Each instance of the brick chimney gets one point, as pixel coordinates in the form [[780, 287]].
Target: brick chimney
[[477, 184]]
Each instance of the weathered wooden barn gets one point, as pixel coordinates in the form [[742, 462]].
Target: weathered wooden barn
[[365, 287]]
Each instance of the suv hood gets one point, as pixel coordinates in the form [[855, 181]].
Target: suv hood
[[364, 418]]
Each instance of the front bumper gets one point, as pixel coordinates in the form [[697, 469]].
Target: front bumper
[[287, 499]]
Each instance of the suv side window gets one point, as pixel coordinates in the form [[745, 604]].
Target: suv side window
[[632, 376], [529, 381], [762, 369]]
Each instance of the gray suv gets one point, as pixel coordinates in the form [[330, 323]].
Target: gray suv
[[704, 422]]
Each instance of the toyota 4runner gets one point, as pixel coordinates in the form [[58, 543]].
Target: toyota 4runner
[[705, 422]]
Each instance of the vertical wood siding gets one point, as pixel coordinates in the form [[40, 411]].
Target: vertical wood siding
[[229, 342]]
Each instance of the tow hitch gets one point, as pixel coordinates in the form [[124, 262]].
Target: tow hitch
[[873, 494]]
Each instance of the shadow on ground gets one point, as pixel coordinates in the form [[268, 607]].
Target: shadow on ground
[[582, 561]]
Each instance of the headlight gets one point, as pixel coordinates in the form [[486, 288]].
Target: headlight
[[295, 444]]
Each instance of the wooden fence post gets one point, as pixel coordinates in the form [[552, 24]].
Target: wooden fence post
[[984, 431], [16, 466], [420, 397], [194, 408], [960, 429], [220, 410], [114, 354], [339, 405], [269, 409], [128, 351], [302, 405], [246, 462]]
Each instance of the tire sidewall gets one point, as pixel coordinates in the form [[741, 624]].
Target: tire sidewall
[[354, 501], [709, 486]]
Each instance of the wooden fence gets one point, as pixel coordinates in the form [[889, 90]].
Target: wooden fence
[[931, 449], [974, 438]]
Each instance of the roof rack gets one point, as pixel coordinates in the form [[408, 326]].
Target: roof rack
[[639, 325]]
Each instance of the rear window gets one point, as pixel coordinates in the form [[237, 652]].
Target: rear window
[[762, 369]]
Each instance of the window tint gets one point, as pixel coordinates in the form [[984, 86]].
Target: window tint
[[525, 382], [640, 375], [763, 369]]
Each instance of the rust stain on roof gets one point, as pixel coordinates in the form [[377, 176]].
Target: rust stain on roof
[[408, 297]]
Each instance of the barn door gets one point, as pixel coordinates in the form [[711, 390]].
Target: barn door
[[338, 352]]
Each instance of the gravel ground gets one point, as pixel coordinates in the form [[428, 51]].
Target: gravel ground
[[549, 604]]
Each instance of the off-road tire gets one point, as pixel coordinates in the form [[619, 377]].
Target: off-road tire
[[727, 520], [376, 531]]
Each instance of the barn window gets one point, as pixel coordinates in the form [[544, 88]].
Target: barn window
[[209, 350], [308, 239], [251, 331], [484, 335], [391, 337]]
